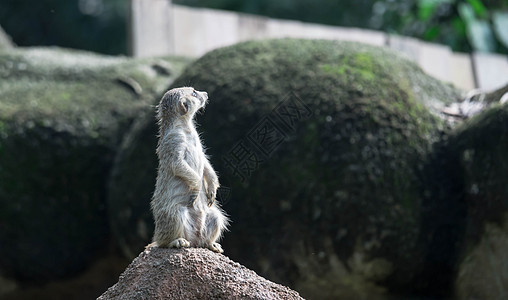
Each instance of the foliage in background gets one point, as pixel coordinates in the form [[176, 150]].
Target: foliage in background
[[101, 25], [96, 25], [464, 25]]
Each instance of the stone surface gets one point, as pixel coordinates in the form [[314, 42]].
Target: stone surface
[[461, 71], [252, 27], [466, 192], [334, 189], [187, 34], [434, 59], [480, 147], [220, 28], [150, 28], [192, 273], [159, 28], [135, 167], [491, 70], [5, 40], [63, 115], [483, 271], [498, 96], [283, 28]]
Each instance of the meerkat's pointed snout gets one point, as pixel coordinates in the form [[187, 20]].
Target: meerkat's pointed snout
[[203, 97]]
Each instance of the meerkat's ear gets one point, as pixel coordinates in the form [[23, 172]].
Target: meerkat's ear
[[183, 106]]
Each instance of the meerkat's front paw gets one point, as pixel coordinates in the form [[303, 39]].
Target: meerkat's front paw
[[179, 243], [215, 247], [211, 194], [211, 191]]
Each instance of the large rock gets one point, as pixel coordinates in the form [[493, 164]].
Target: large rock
[[193, 273], [480, 147], [465, 208], [319, 146], [5, 40], [131, 187], [63, 114]]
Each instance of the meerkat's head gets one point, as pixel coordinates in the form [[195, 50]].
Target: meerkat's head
[[181, 103]]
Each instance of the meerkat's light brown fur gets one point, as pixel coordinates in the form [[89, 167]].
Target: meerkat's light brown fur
[[183, 204]]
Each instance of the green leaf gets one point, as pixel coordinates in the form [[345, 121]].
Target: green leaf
[[466, 12], [480, 36], [426, 8], [459, 26], [431, 33], [478, 8], [500, 23]]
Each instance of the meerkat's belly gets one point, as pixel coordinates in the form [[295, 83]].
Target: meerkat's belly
[[194, 159], [194, 155]]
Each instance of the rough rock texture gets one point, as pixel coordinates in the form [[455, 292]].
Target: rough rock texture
[[63, 114], [497, 95], [481, 149], [135, 167], [466, 209], [329, 139], [5, 40], [192, 273], [475, 102], [483, 269]]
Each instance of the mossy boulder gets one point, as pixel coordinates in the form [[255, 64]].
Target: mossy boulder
[[131, 187], [318, 145], [5, 40], [466, 200], [480, 147], [63, 114]]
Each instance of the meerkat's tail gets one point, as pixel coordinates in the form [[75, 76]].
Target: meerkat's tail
[[215, 224]]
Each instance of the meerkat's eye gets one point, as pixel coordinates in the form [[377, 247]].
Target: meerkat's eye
[[195, 94]]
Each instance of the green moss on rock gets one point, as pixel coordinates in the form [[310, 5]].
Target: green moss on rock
[[131, 187], [347, 173], [465, 188], [63, 114], [5, 40], [482, 272], [342, 187], [479, 148]]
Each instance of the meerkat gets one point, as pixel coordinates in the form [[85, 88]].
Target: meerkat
[[183, 204]]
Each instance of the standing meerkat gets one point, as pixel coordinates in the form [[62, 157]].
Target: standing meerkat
[[183, 204]]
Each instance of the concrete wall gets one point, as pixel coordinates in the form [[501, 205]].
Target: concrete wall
[[159, 27]]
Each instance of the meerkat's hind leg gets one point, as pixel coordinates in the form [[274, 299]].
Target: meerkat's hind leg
[[215, 224], [179, 243], [215, 247]]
